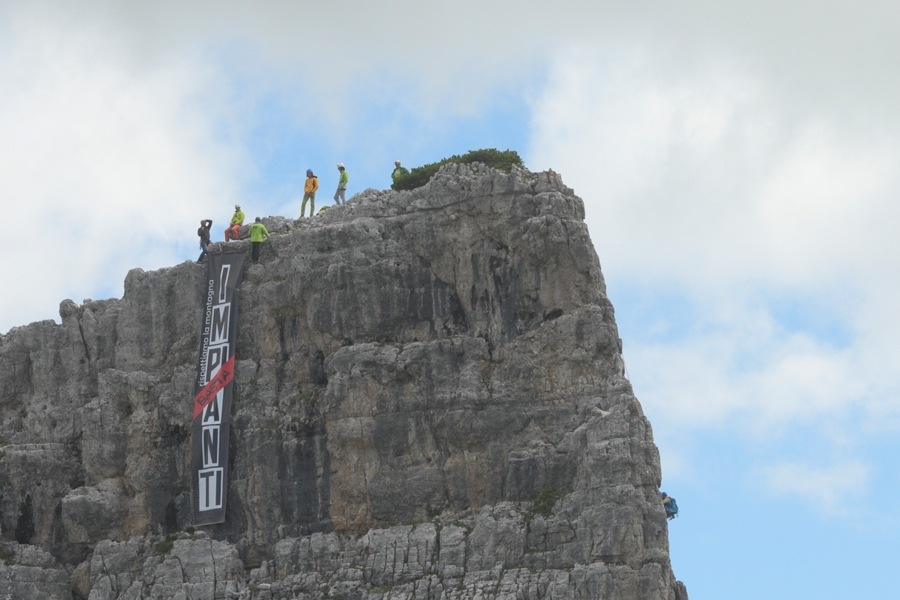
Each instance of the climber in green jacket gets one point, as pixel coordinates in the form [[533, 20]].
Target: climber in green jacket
[[398, 171], [342, 185], [258, 233], [236, 221]]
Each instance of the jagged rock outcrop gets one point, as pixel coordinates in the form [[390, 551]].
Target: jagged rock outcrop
[[430, 403]]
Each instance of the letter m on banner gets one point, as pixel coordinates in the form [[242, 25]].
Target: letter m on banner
[[219, 331], [214, 389]]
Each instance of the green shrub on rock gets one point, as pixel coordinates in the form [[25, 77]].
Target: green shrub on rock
[[491, 157], [544, 501]]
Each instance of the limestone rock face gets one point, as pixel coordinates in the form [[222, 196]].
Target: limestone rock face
[[430, 402]]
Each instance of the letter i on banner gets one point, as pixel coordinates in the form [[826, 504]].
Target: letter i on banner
[[213, 389]]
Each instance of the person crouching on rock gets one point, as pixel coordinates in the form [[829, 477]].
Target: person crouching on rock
[[203, 232], [236, 221], [258, 233]]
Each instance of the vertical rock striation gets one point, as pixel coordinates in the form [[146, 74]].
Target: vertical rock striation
[[430, 403]]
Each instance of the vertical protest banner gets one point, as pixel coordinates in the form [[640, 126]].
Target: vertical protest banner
[[214, 387]]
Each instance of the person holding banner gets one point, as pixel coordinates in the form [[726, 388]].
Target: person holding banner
[[258, 233]]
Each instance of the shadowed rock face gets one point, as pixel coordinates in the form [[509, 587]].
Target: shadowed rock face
[[413, 370]]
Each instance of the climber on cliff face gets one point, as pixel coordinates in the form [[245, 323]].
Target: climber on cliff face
[[398, 171], [258, 233], [203, 232], [670, 505], [309, 193], [236, 221], [342, 185]]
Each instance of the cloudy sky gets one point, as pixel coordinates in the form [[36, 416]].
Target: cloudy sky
[[739, 163]]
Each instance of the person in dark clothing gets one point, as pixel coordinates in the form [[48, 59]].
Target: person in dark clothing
[[203, 232]]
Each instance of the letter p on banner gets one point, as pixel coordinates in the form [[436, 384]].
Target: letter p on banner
[[214, 389]]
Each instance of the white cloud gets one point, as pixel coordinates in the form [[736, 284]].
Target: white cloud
[[822, 209], [102, 167], [452, 56], [827, 488], [711, 380], [701, 177], [699, 184]]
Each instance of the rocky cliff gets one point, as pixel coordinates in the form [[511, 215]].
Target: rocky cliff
[[430, 403]]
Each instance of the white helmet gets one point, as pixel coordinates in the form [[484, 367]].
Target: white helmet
[[237, 207], [340, 165], [396, 162]]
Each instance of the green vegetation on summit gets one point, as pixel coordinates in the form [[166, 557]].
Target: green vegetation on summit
[[419, 176]]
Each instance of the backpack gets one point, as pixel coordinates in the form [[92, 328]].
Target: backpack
[[671, 508]]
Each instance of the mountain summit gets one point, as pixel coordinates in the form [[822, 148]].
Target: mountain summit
[[429, 402]]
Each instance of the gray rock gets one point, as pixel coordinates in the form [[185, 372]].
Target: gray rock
[[87, 512], [81, 580], [430, 403], [28, 572]]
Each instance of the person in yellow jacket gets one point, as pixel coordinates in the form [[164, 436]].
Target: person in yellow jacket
[[258, 233], [309, 193], [231, 232]]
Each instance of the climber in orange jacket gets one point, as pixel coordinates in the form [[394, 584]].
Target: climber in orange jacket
[[309, 193]]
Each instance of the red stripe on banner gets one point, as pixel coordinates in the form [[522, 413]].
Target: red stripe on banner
[[214, 386]]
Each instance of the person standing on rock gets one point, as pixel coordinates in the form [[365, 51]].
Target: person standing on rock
[[258, 233], [309, 193], [236, 221], [398, 171], [342, 185], [203, 232]]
